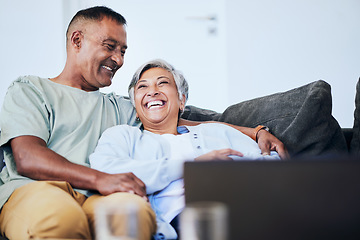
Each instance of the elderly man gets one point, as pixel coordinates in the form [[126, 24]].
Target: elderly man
[[49, 127]]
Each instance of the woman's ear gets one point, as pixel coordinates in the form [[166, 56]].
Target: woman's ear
[[137, 117], [182, 103]]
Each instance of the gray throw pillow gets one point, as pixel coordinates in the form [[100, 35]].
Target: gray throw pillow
[[355, 142], [301, 118], [199, 114]]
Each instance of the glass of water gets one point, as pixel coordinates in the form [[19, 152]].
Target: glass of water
[[204, 221], [116, 221]]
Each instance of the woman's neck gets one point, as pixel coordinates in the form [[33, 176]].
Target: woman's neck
[[161, 129]]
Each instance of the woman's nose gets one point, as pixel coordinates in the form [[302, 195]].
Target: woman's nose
[[153, 91]]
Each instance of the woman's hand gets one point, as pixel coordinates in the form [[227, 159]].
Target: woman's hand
[[222, 154], [268, 142]]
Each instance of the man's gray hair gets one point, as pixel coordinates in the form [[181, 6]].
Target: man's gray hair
[[180, 81]]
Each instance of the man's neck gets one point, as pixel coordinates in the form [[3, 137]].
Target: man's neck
[[75, 81]]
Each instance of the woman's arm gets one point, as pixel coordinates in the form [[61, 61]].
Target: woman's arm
[[120, 150]]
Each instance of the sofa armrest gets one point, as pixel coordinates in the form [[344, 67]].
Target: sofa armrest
[[348, 134], [355, 140]]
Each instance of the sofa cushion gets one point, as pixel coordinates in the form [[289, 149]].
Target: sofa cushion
[[355, 142], [301, 118], [199, 114]]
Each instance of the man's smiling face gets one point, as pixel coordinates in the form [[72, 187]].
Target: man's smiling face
[[101, 53]]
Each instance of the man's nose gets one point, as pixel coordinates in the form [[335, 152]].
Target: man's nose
[[118, 58]]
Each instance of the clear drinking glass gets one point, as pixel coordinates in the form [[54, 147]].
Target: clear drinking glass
[[116, 221], [204, 221]]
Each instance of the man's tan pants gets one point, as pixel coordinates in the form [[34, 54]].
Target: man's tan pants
[[52, 209]]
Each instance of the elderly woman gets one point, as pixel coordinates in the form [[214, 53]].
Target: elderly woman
[[156, 153]]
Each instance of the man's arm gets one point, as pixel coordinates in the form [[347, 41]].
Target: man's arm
[[35, 160], [266, 141]]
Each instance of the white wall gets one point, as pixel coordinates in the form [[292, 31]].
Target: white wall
[[279, 44], [271, 46], [32, 40]]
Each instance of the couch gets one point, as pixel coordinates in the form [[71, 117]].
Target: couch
[[301, 118]]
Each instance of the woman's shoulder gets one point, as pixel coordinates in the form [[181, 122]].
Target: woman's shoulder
[[121, 131], [122, 128]]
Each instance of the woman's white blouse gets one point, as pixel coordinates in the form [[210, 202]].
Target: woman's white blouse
[[158, 160]]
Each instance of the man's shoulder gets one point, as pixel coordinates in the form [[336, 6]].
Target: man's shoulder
[[126, 110], [119, 98], [121, 101], [28, 81]]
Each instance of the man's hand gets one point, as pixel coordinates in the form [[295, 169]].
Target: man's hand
[[268, 142], [34, 160], [123, 182]]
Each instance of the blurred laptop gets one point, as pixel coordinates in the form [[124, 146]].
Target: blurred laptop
[[281, 199]]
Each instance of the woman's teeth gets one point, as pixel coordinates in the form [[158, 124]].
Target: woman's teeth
[[154, 104]]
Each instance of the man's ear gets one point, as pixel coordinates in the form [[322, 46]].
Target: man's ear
[[76, 39]]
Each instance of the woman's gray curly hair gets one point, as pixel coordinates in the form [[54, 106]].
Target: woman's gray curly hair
[[180, 81]]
